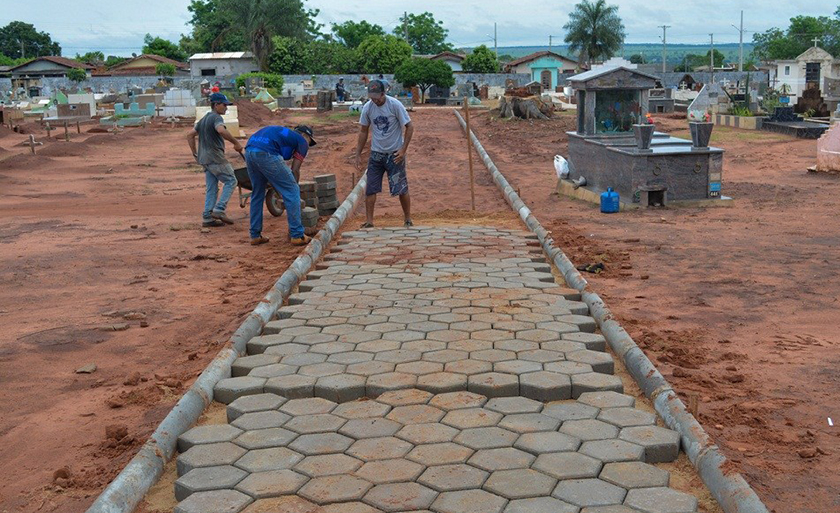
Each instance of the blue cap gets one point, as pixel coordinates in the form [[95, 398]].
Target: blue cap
[[220, 98]]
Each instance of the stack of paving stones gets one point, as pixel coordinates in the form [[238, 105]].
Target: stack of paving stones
[[309, 218], [308, 193], [434, 369], [325, 186]]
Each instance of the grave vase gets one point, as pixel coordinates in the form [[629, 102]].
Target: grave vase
[[701, 133], [644, 134]]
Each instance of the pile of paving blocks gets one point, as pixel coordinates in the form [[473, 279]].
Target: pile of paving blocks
[[325, 188], [309, 218], [309, 206]]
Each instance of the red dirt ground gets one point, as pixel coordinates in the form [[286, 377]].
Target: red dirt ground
[[737, 304]]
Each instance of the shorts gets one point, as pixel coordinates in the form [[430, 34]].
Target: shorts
[[380, 163]]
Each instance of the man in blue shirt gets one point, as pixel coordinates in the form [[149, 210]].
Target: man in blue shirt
[[265, 154]]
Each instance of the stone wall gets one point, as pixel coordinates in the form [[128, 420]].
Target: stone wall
[[356, 87], [121, 84]]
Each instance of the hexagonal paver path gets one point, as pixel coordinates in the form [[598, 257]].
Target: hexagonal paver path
[[429, 369]]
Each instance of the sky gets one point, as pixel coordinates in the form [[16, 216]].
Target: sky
[[115, 27]]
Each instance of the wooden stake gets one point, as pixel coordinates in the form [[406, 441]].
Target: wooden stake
[[693, 403], [352, 180], [66, 132], [469, 152]]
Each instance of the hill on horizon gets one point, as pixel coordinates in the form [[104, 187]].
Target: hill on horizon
[[651, 51]]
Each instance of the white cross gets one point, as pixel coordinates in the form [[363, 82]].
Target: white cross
[[816, 40], [725, 83]]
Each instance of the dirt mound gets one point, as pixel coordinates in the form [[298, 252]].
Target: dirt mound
[[100, 139], [64, 149], [255, 115], [24, 160]]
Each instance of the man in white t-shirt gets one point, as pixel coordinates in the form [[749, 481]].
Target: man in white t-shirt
[[388, 146]]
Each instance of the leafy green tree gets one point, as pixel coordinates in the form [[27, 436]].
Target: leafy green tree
[[351, 34], [424, 73], [213, 29], [270, 80], [776, 43], [383, 54], [594, 31], [329, 57], [692, 61], [505, 57], [113, 60], [91, 57], [638, 58], [288, 56], [77, 75], [165, 69], [424, 34], [481, 60], [261, 20], [17, 36], [720, 59], [164, 48], [8, 61]]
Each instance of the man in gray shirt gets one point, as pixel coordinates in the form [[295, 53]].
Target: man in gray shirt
[[388, 147], [211, 133]]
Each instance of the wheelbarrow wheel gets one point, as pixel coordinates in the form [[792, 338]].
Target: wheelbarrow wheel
[[274, 203]]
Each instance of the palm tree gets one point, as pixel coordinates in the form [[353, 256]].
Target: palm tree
[[594, 31], [261, 20]]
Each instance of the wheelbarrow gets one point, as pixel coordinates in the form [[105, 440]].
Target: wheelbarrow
[[273, 200]]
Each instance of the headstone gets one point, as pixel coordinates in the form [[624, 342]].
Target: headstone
[[828, 151]]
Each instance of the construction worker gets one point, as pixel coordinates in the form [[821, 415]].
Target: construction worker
[[388, 147], [210, 153], [266, 153]]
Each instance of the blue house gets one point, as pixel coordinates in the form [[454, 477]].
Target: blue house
[[544, 67]]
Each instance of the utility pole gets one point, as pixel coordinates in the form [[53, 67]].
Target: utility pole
[[664, 47], [496, 40], [712, 58], [740, 43], [549, 43], [22, 51]]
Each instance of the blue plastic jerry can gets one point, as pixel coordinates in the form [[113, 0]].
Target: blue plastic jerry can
[[609, 201]]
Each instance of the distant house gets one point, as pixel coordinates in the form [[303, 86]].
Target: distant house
[[453, 59], [544, 67], [143, 65], [814, 68], [222, 64], [47, 66]]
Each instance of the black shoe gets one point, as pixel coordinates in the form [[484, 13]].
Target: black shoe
[[214, 222]]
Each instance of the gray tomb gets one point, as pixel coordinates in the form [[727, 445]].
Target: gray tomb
[[604, 149]]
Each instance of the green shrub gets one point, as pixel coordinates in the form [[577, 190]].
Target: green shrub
[[270, 80], [740, 110]]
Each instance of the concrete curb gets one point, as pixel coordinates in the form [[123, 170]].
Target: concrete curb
[[127, 490], [730, 489]]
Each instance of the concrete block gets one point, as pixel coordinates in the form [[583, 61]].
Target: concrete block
[[327, 465], [390, 471], [227, 501], [331, 489], [213, 433], [381, 383], [540, 505], [589, 492], [610, 451], [592, 341], [265, 438], [384, 448], [512, 405], [595, 382], [568, 465], [427, 433], [546, 441], [469, 501], [321, 443], [207, 479], [293, 386], [407, 397], [545, 386], [230, 389], [570, 410], [660, 444], [449, 478], [263, 460], [493, 384], [457, 400], [209, 455], [442, 382], [415, 414], [529, 422], [400, 497], [361, 409], [505, 458], [486, 438], [260, 420], [472, 418], [369, 428], [627, 417], [607, 399], [635, 474], [445, 453], [252, 404], [340, 388], [519, 483], [273, 483]]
